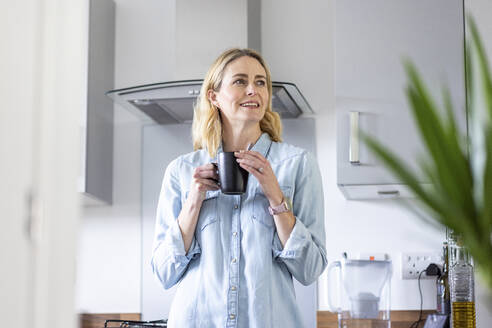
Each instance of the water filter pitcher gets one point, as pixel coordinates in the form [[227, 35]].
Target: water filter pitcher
[[363, 292]]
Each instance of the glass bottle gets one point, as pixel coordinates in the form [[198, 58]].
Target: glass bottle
[[443, 292], [452, 240], [462, 289]]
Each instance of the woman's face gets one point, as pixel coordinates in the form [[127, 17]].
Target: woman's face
[[243, 96]]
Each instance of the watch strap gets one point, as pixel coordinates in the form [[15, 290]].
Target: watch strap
[[282, 208]]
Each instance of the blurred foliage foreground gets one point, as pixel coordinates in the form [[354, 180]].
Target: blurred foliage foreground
[[459, 166]]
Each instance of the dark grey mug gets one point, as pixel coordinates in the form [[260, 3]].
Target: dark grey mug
[[232, 177]]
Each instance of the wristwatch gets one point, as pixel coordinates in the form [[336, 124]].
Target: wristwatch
[[285, 206]]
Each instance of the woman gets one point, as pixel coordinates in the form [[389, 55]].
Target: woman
[[234, 256]]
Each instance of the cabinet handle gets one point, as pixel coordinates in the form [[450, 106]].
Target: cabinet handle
[[389, 193], [354, 138]]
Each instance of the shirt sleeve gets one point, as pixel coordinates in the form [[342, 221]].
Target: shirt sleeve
[[304, 253], [169, 259]]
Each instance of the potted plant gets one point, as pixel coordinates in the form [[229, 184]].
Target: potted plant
[[458, 166]]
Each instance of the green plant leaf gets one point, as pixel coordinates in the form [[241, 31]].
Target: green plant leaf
[[487, 183], [443, 146], [399, 169], [469, 82], [485, 76]]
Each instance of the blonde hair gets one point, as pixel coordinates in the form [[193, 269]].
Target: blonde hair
[[207, 124]]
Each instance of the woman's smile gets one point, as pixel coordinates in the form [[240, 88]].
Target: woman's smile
[[250, 104]]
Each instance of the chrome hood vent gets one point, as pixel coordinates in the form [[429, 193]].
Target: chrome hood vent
[[173, 102]]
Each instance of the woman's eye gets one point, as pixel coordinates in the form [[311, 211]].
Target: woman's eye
[[240, 81], [261, 82]]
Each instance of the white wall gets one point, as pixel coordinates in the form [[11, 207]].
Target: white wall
[[297, 42]]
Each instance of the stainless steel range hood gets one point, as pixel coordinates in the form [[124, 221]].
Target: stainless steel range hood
[[173, 102]]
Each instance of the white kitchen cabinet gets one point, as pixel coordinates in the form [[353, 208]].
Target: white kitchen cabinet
[[372, 40], [96, 176]]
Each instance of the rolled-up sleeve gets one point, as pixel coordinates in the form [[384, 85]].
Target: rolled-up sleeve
[[304, 253], [169, 259]]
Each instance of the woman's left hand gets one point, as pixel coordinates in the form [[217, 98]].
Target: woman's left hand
[[259, 166]]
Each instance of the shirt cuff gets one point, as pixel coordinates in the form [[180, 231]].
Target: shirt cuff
[[296, 241]]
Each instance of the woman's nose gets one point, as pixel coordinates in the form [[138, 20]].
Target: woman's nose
[[251, 90]]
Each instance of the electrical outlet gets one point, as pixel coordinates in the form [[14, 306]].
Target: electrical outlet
[[413, 263]]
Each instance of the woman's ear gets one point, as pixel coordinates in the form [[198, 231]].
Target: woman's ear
[[212, 97]]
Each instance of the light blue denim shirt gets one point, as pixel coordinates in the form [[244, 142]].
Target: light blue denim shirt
[[236, 273]]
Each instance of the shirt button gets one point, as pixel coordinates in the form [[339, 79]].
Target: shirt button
[[236, 207], [233, 288], [234, 233], [234, 260], [232, 316]]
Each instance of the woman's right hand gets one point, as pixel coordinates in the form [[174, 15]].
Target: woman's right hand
[[204, 178]]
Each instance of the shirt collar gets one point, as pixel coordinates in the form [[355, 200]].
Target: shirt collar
[[262, 145]]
